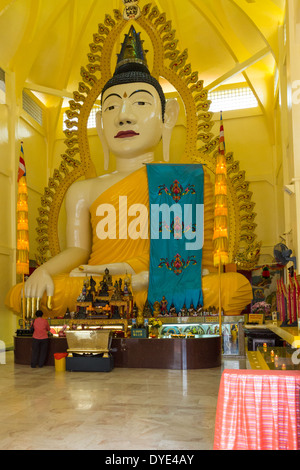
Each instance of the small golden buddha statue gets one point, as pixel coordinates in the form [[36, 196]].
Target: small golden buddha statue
[[139, 319], [156, 309]]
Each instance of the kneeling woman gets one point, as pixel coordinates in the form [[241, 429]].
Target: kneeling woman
[[39, 340]]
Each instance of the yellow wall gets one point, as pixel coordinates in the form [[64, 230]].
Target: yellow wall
[[7, 320], [35, 150], [247, 136]]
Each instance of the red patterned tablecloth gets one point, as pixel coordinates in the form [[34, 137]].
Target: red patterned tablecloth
[[258, 410]]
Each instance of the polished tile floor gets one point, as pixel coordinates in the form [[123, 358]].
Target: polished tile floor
[[125, 409]]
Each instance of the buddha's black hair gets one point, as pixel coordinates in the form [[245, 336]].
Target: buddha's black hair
[[134, 72]]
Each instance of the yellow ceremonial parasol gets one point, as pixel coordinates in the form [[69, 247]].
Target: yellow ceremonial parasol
[[220, 237], [22, 226]]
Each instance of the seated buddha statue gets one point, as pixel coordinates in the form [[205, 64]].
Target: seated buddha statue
[[107, 278], [134, 118]]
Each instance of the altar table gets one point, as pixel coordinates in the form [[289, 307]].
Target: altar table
[[154, 353], [258, 410]]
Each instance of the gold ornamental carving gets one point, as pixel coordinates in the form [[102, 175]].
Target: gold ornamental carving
[[201, 143], [100, 322]]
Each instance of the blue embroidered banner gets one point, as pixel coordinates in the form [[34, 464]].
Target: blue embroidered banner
[[176, 231]]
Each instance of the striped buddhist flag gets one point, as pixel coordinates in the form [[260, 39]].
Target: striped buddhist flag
[[22, 168]]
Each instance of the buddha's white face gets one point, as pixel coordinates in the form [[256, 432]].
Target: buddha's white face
[[132, 119]]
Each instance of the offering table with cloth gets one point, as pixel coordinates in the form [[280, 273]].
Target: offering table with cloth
[[258, 410]]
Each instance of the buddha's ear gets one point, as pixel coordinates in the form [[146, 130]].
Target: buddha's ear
[[99, 127], [170, 119]]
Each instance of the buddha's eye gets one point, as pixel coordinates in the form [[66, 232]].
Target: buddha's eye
[[110, 108], [141, 103]]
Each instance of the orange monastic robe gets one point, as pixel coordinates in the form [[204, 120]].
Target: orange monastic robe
[[116, 250]]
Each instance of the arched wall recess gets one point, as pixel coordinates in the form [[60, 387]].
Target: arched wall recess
[[201, 144]]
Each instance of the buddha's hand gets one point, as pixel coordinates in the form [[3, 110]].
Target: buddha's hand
[[36, 285], [87, 269], [115, 269]]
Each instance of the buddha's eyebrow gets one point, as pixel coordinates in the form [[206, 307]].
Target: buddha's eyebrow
[[141, 91], [112, 94]]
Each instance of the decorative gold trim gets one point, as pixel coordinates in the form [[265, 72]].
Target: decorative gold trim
[[99, 322], [201, 144]]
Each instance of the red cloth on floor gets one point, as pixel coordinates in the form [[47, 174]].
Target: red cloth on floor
[[258, 410]]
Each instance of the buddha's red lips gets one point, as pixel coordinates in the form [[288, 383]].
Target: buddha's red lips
[[123, 134]]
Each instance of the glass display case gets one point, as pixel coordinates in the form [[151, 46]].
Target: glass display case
[[231, 332]]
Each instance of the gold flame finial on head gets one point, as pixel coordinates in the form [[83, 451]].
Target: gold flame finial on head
[[132, 49]]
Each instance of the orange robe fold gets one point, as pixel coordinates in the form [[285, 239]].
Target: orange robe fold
[[116, 250]]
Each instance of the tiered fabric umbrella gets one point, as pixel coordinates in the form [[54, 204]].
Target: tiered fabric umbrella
[[220, 237], [22, 225]]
